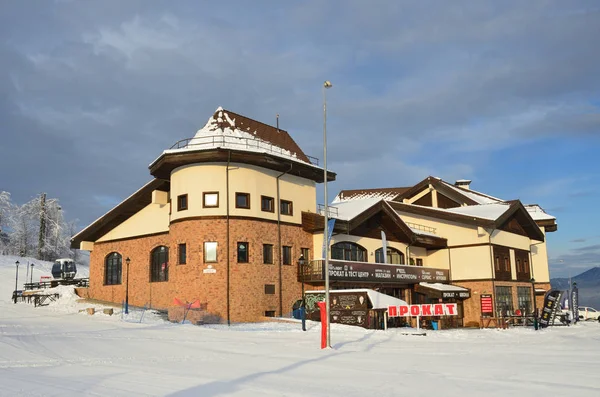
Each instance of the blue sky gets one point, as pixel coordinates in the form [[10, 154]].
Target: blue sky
[[505, 93]]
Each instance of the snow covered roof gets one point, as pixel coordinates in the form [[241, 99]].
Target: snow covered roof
[[347, 210], [484, 211], [476, 196], [378, 300], [538, 213], [226, 129], [360, 194], [443, 287]]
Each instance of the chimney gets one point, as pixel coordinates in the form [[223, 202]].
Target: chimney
[[464, 183]]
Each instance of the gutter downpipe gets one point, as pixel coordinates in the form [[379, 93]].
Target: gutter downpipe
[[228, 260], [279, 235]]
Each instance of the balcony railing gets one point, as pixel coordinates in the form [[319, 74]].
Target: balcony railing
[[424, 228], [333, 211], [360, 272], [214, 141]]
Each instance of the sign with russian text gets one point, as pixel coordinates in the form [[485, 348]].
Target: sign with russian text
[[487, 307], [438, 309], [382, 273], [349, 308]]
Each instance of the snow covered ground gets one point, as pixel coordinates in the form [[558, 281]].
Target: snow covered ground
[[57, 351]]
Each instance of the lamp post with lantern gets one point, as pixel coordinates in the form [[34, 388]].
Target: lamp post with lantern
[[127, 287], [535, 319], [16, 282], [301, 263]]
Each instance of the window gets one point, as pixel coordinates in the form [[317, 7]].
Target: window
[[242, 200], [504, 301], [269, 289], [419, 262], [287, 255], [242, 252], [305, 252], [182, 202], [112, 269], [159, 264], [270, 313], [210, 199], [267, 204], [182, 251], [394, 256], [210, 251], [524, 299], [349, 252], [285, 207], [268, 254]]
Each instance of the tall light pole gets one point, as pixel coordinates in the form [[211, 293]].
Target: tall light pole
[[326, 85], [301, 262], [31, 281], [16, 282], [127, 287]]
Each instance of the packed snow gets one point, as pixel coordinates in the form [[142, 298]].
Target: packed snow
[[56, 350]]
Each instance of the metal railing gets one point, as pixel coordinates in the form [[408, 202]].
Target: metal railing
[[424, 228], [333, 212], [212, 141]]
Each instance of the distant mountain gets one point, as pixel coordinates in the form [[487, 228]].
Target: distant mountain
[[588, 283]]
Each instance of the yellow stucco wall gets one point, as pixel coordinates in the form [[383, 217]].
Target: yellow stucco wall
[[470, 263], [154, 218], [539, 260], [456, 233], [196, 179], [500, 237]]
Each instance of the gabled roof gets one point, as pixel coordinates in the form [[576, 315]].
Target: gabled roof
[[493, 216], [119, 214], [439, 185]]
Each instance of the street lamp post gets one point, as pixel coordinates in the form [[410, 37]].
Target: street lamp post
[[301, 263], [127, 287], [535, 320], [31, 273], [326, 85], [16, 282]]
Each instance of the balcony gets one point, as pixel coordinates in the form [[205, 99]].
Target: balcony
[[363, 272]]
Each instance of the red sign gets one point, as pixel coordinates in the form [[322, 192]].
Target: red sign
[[440, 309], [487, 306]]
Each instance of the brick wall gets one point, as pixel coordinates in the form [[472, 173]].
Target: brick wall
[[472, 306], [188, 282]]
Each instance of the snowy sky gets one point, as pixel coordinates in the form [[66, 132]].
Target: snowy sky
[[503, 93]]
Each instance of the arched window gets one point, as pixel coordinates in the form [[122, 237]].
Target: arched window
[[159, 264], [113, 263], [394, 256], [348, 252]]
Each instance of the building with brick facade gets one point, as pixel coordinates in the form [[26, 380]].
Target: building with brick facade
[[436, 233], [230, 211]]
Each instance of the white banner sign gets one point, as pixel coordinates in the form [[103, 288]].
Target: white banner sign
[[438, 309]]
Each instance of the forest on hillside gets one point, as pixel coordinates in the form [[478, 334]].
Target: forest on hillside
[[35, 229]]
